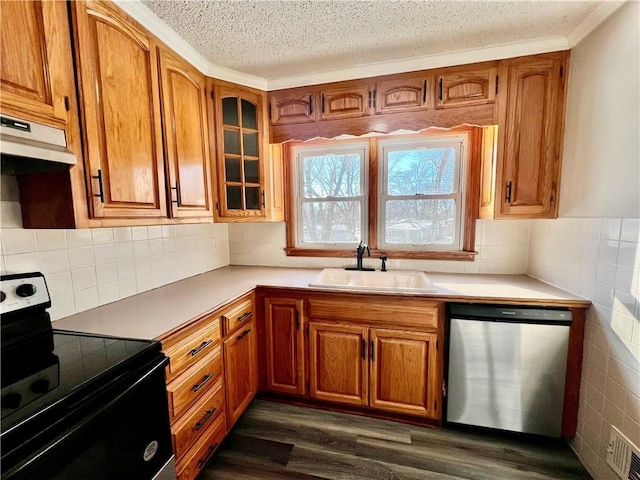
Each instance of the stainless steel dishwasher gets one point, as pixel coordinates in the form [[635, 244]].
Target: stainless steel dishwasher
[[507, 367]]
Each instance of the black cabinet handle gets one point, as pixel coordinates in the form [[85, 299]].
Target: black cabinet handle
[[206, 378], [370, 103], [310, 105], [440, 88], [323, 103], [373, 352], [374, 98], [204, 419], [202, 462], [364, 349], [242, 335], [177, 200], [100, 193], [264, 204], [242, 318], [509, 188], [202, 346], [424, 92]]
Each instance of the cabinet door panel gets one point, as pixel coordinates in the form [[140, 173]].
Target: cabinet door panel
[[36, 60], [530, 155], [285, 340], [119, 78], [241, 371], [338, 363], [404, 372], [403, 95], [186, 137], [287, 108], [466, 87], [345, 102]]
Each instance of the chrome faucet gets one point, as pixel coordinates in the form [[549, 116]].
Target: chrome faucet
[[359, 254]]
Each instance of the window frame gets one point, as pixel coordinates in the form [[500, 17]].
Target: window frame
[[299, 153], [460, 143], [471, 198]]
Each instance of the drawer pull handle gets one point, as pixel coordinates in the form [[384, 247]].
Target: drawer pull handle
[[206, 378], [239, 337], [204, 419], [207, 457], [202, 346], [244, 317]]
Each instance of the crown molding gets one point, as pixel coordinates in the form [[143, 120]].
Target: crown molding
[[462, 57], [593, 21], [169, 37]]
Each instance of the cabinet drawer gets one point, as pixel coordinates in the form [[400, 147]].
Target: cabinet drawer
[[192, 384], [405, 312], [191, 349], [238, 315], [200, 454], [195, 422]]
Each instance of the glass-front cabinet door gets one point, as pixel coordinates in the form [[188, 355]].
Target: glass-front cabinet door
[[239, 128]]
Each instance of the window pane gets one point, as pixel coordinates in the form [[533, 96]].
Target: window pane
[[234, 198], [331, 222], [249, 115], [331, 176], [232, 169], [250, 144], [251, 171], [420, 222], [253, 198], [230, 111], [423, 171], [232, 141]]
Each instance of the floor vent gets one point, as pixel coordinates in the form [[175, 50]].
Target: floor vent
[[623, 456]]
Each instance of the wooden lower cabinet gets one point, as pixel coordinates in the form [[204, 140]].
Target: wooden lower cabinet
[[404, 372], [241, 371], [198, 457], [284, 342], [338, 363]]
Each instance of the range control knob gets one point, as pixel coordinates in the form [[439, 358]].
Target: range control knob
[[3, 296], [26, 290]]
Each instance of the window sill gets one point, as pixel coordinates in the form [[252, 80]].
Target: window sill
[[462, 256]]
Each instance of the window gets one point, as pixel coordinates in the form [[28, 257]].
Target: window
[[420, 194], [331, 195], [406, 196]]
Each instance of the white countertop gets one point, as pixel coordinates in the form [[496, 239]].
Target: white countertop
[[154, 313]]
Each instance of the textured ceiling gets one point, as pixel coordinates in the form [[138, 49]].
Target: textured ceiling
[[279, 39]]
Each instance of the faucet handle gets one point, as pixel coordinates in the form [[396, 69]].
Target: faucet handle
[[384, 263]]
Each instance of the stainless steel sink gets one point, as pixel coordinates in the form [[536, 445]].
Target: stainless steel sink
[[392, 281]]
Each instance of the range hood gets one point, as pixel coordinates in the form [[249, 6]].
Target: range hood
[[30, 140]]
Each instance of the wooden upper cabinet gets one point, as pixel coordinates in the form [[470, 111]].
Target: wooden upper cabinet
[[241, 370], [338, 363], [345, 102], [530, 136], [240, 151], [467, 85], [285, 345], [403, 94], [186, 137], [118, 78], [292, 107], [36, 65], [404, 373]]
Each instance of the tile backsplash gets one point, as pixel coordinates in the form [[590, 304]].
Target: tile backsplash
[[599, 258], [87, 268], [502, 246]]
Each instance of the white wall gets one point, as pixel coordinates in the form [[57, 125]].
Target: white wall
[[87, 268], [598, 256], [601, 171]]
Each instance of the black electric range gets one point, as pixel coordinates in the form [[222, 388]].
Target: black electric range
[[77, 405]]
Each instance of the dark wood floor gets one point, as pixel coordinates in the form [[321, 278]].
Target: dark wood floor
[[278, 441]]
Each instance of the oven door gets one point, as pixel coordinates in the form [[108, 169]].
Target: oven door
[[126, 437]]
